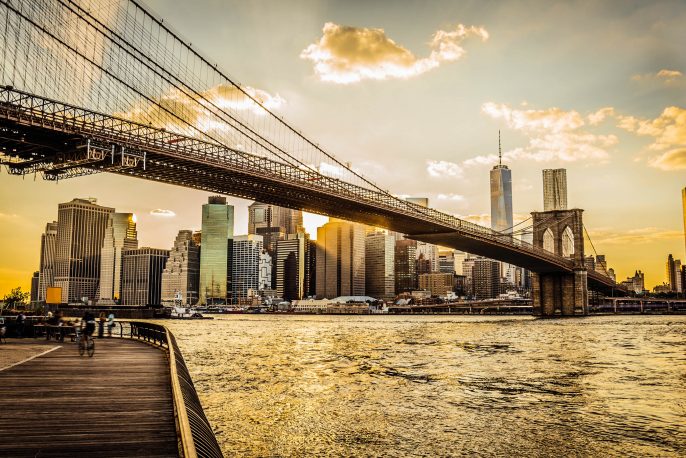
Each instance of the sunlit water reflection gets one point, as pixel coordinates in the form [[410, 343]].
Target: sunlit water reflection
[[440, 386]]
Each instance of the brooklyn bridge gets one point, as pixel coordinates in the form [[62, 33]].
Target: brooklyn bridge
[[107, 87]]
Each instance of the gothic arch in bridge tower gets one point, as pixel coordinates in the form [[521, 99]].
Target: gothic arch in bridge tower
[[567, 243], [560, 293], [549, 241]]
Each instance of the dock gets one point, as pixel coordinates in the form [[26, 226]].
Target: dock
[[122, 402]]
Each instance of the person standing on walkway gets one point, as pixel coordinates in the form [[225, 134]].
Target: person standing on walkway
[[110, 324], [21, 319], [101, 325]]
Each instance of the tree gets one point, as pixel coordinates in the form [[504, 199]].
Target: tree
[[16, 297]]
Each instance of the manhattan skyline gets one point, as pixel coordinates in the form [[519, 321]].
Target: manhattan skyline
[[414, 97]]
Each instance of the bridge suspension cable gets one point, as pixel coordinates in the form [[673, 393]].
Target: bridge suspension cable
[[132, 64], [603, 265]]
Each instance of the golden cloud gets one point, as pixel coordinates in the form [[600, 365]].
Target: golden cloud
[[664, 76], [669, 74], [194, 111], [674, 159], [599, 116], [162, 212], [554, 134], [669, 136], [451, 196], [347, 54], [440, 169]]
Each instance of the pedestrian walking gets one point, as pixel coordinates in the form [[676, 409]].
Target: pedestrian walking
[[101, 325]]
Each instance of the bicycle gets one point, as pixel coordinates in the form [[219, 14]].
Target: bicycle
[[86, 345]]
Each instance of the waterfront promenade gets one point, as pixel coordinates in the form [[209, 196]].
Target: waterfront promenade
[[117, 403]]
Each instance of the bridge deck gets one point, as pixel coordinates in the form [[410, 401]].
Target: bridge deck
[[117, 403]]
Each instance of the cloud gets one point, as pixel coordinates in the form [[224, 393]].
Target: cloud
[[195, 110], [346, 55], [674, 159], [668, 131], [607, 236], [481, 219], [441, 169], [554, 134], [451, 196], [664, 76], [162, 212], [669, 74], [599, 116]]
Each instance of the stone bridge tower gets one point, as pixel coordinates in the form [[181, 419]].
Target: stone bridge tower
[[560, 293]]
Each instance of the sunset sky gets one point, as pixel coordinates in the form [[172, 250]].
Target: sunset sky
[[414, 93]]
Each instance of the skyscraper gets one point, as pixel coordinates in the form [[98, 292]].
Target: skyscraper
[[141, 282], [120, 234], [181, 275], [459, 257], [290, 267], [405, 266], [265, 273], [554, 189], [33, 297], [446, 262], [340, 259], [46, 270], [215, 256], [429, 254], [486, 278], [245, 266], [501, 195], [310, 267], [683, 204], [468, 271], [81, 226], [271, 216], [501, 208], [437, 283], [425, 252], [380, 265], [273, 223], [670, 273], [679, 286]]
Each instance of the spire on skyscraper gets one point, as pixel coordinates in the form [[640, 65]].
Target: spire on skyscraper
[[500, 151]]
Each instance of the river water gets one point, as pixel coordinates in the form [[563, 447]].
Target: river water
[[435, 386]]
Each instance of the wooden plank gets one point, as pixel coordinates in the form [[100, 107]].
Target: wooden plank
[[118, 403]]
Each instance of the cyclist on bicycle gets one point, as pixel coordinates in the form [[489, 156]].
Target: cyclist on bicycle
[[87, 325]]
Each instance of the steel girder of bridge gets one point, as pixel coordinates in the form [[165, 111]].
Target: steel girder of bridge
[[40, 135]]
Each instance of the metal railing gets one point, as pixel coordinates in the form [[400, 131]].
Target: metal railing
[[196, 438]]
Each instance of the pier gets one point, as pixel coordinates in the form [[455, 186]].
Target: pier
[[133, 398]]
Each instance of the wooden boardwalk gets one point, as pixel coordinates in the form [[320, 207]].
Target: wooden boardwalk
[[115, 404]]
